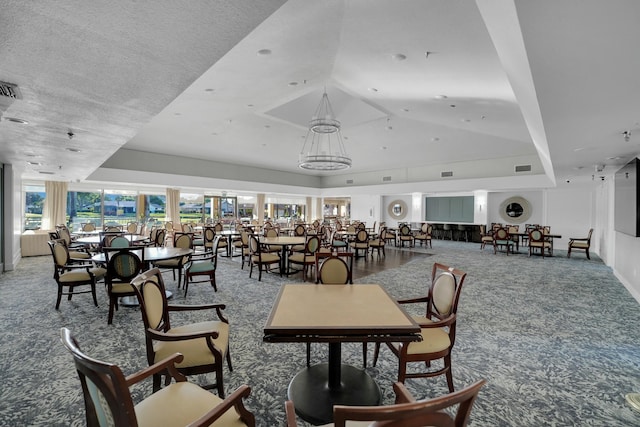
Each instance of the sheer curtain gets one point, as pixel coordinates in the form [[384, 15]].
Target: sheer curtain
[[260, 198], [55, 204], [308, 213], [173, 205]]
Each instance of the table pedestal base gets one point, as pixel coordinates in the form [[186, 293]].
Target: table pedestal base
[[314, 399]]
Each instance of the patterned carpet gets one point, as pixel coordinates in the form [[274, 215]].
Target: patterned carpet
[[556, 338]]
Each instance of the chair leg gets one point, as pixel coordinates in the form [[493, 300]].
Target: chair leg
[[93, 293], [213, 281], [112, 306], [308, 355], [364, 355], [59, 297], [449, 374], [376, 351], [588, 257]]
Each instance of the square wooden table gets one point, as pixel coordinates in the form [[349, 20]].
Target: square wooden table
[[335, 314]]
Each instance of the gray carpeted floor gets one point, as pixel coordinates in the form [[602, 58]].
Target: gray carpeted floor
[[556, 338]]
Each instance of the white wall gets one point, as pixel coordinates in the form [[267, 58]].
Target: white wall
[[366, 208], [570, 213]]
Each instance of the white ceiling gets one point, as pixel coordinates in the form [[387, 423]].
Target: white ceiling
[[555, 82]]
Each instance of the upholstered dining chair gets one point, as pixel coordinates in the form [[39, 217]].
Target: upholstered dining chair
[[450, 410], [486, 237], [108, 400], [205, 345], [379, 242], [306, 259], [582, 243], [502, 239], [123, 265], [263, 260], [424, 234], [338, 242], [361, 243], [406, 235], [438, 327], [537, 241], [202, 264], [69, 275], [181, 240]]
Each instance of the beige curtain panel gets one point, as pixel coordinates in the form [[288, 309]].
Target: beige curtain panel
[[173, 206], [55, 204], [260, 198]]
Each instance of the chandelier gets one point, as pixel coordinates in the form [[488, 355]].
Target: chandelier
[[323, 149]]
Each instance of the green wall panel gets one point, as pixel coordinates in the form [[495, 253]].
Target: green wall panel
[[449, 209]]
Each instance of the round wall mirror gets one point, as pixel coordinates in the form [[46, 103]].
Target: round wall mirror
[[515, 210], [397, 209]]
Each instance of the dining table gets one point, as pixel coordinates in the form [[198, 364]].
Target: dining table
[[284, 242], [335, 314]]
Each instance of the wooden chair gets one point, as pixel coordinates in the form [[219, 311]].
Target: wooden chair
[[379, 243], [202, 264], [338, 242], [451, 410], [181, 240], [406, 236], [485, 237], [537, 241], [424, 235], [361, 243], [69, 275], [205, 345], [306, 259], [107, 396], [264, 260], [438, 326], [501, 238], [123, 265], [582, 243]]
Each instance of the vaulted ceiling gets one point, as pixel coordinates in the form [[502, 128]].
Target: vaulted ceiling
[[422, 86]]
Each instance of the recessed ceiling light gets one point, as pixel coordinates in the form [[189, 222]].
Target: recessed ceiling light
[[373, 89], [209, 89], [435, 139], [465, 120], [579, 149], [406, 110], [267, 126], [249, 105], [16, 120], [46, 173], [399, 56], [293, 83], [440, 97], [452, 105], [264, 52], [34, 163], [73, 150], [383, 148], [177, 114], [614, 158]]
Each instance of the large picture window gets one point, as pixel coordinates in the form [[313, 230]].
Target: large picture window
[[34, 202]]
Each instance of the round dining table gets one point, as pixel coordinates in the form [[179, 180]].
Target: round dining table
[[284, 242]]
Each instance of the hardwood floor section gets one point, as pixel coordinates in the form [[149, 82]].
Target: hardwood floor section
[[395, 257]]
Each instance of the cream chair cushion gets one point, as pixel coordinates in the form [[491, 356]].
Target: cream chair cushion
[[196, 352], [177, 404]]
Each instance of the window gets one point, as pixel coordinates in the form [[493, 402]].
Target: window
[[119, 207], [34, 202], [84, 207], [191, 206]]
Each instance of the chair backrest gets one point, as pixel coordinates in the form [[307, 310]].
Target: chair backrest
[[405, 230], [168, 225], [299, 230], [123, 264], [88, 226], [106, 395], [150, 290], [362, 236], [254, 245], [132, 228], [536, 235], [119, 242], [113, 229], [444, 293], [160, 236], [218, 227], [63, 233], [333, 269], [432, 412], [501, 234], [183, 240], [589, 236], [187, 228], [60, 253], [312, 245], [513, 229], [351, 228], [271, 232], [424, 227]]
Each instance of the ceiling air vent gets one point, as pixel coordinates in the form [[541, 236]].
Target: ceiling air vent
[[446, 174], [523, 168], [9, 90], [349, 181], [386, 179]]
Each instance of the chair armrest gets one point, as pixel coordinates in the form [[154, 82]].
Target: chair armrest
[[402, 394], [413, 300], [168, 363], [162, 336], [234, 400], [189, 307], [582, 239], [291, 414]]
